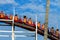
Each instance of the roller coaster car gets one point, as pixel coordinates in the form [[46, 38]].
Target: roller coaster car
[[56, 36], [20, 20], [34, 25], [31, 25], [0, 15], [6, 17]]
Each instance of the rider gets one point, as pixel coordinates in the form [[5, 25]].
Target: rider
[[39, 25], [43, 26], [57, 32], [16, 18], [10, 17], [2, 15], [52, 31], [25, 19], [30, 21]]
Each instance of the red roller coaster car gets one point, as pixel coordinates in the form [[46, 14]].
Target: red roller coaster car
[[20, 20], [6, 17]]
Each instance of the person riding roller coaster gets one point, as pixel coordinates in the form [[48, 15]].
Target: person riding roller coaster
[[57, 33], [52, 31], [11, 17], [16, 18], [43, 27], [2, 15], [25, 19], [30, 21], [38, 24]]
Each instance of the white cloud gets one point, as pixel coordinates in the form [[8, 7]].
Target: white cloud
[[8, 2], [34, 7], [56, 3]]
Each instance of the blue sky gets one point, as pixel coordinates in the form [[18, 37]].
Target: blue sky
[[32, 8]]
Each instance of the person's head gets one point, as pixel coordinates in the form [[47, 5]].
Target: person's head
[[15, 14], [29, 18], [38, 22], [24, 17], [52, 27], [57, 29], [1, 11]]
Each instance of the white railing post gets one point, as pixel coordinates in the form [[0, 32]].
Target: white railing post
[[13, 24], [36, 27]]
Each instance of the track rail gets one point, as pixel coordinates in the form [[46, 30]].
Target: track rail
[[30, 28]]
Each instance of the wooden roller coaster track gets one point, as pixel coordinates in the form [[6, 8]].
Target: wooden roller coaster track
[[30, 28]]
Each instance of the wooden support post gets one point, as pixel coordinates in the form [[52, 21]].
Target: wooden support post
[[46, 20]]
